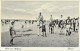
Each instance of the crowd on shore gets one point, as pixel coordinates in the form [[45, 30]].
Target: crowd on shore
[[70, 24]]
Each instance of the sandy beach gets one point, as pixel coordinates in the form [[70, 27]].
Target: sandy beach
[[31, 38]]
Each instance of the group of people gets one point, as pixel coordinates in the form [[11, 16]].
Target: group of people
[[68, 24], [42, 25]]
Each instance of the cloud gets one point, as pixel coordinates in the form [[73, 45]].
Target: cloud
[[53, 8], [32, 9], [68, 7], [14, 9], [48, 7], [7, 8], [20, 10]]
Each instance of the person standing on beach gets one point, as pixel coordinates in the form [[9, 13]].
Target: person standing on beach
[[44, 30], [50, 24], [40, 19], [12, 33], [74, 24]]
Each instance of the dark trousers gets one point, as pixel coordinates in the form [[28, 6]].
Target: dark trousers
[[74, 27], [51, 30], [11, 41]]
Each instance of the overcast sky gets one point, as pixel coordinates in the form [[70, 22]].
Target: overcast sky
[[30, 10]]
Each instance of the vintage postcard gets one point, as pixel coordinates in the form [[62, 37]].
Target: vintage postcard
[[39, 25]]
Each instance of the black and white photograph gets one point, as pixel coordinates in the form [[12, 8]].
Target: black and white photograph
[[40, 24]]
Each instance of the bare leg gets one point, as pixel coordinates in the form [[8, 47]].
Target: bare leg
[[45, 34], [11, 41], [49, 29]]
